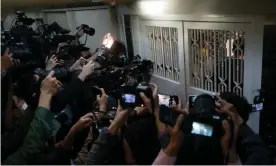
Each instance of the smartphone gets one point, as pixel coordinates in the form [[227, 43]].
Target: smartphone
[[174, 98], [202, 129], [25, 106], [164, 100]]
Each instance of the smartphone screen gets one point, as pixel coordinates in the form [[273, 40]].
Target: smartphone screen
[[192, 99], [164, 100], [25, 106], [202, 129], [129, 98]]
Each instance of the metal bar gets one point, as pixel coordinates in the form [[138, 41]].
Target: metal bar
[[201, 59], [215, 61], [154, 50], [229, 63], [171, 56], [242, 63], [162, 56], [237, 59]]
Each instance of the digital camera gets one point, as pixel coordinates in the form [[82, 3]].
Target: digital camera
[[202, 118], [130, 94]]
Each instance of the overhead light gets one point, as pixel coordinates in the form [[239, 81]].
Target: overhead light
[[152, 7]]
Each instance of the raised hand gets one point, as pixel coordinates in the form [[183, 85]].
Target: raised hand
[[84, 122], [102, 100], [179, 108], [177, 137], [155, 92], [119, 120], [78, 64], [87, 70], [48, 89], [52, 63], [50, 84], [229, 148], [223, 107]]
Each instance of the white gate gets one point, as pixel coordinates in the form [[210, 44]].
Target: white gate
[[216, 55], [162, 42], [221, 54]]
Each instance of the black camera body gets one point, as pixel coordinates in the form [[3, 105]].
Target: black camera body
[[86, 29], [130, 94], [23, 20], [203, 119], [21, 39], [205, 124]]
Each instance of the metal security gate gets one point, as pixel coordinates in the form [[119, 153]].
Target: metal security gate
[[203, 54], [162, 42], [191, 58], [215, 57]]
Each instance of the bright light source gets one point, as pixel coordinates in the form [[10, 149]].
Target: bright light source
[[108, 40], [153, 7]]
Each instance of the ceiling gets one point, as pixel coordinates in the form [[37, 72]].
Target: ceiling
[[11, 5]]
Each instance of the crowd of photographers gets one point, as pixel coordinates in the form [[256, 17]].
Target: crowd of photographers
[[65, 112]]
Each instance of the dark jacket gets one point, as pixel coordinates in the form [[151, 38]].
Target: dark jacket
[[13, 141], [106, 150], [67, 96], [251, 149], [35, 141]]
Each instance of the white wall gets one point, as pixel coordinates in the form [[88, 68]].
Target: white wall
[[100, 18]]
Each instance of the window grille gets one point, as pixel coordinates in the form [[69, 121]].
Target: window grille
[[163, 50], [217, 60]]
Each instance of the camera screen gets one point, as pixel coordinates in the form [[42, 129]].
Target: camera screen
[[129, 98], [257, 107], [164, 100], [202, 129]]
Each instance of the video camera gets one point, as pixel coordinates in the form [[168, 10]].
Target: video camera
[[111, 78], [86, 29], [22, 20], [21, 39]]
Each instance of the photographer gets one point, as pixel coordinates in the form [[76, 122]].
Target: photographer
[[29, 91], [138, 140], [41, 126], [250, 147], [192, 149], [247, 145]]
